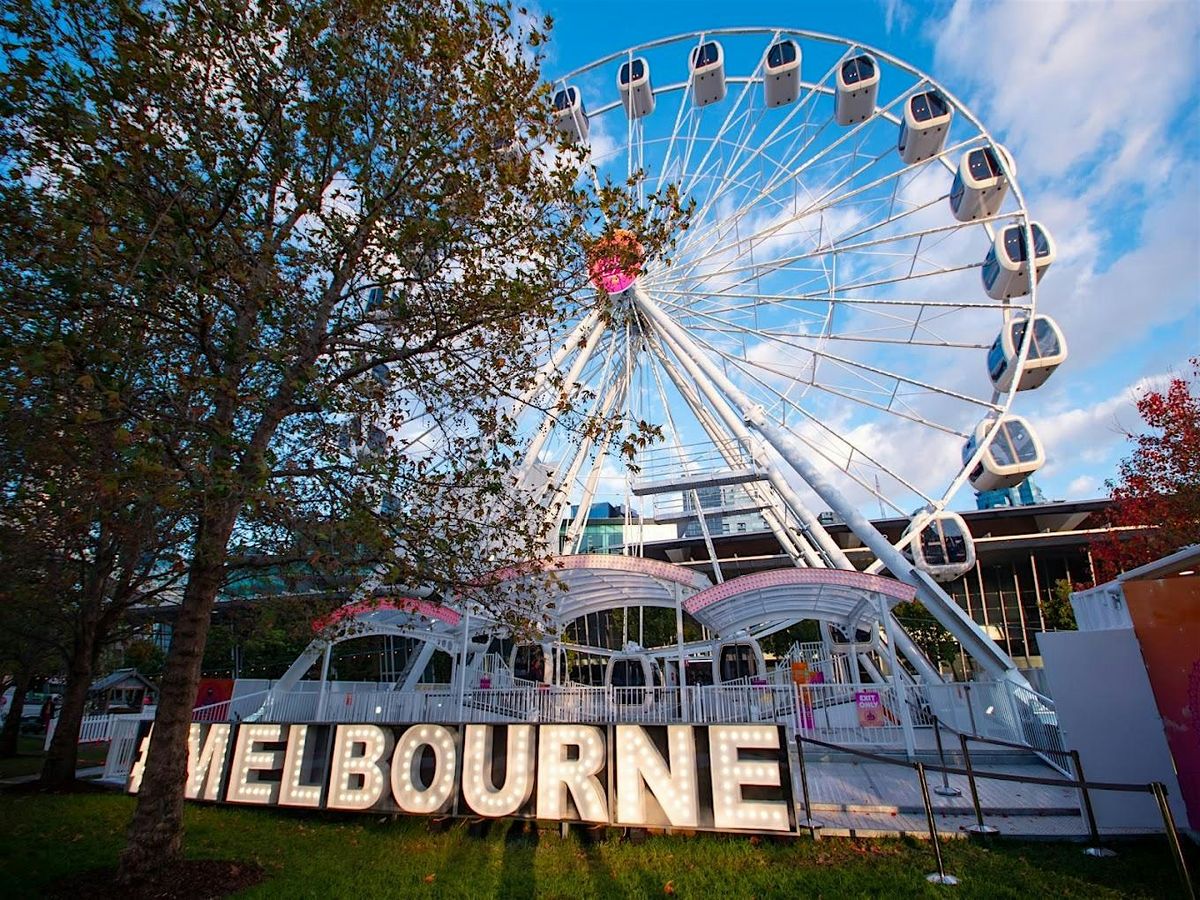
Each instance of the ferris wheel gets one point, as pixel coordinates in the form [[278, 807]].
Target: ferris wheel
[[843, 318]]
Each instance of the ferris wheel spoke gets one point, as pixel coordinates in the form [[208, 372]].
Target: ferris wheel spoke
[[787, 172], [844, 361], [733, 115], [827, 202], [784, 401], [806, 103], [842, 249], [759, 298]]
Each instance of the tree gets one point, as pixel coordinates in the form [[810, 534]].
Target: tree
[[145, 656], [934, 639], [87, 521], [1057, 609], [1156, 498], [331, 269]]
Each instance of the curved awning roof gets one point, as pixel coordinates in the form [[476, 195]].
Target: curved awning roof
[[596, 582], [386, 613], [849, 599]]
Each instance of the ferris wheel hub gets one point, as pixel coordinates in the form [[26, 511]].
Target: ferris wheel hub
[[615, 262]]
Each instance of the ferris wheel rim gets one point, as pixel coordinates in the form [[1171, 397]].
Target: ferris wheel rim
[[1001, 401]]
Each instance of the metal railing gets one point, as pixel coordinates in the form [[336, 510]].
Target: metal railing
[[831, 712], [996, 710], [1156, 789]]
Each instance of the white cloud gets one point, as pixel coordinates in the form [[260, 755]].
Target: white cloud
[[1097, 102], [1091, 436], [1073, 83], [1083, 486]]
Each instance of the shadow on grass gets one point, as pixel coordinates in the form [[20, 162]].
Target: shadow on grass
[[517, 875]]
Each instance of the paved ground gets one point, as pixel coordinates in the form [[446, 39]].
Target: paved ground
[[870, 799]]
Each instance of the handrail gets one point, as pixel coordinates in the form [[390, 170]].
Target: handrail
[[1156, 788]]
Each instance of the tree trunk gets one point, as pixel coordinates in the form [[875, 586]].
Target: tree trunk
[[155, 835], [58, 772], [12, 722]]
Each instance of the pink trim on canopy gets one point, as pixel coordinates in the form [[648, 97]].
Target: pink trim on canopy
[[654, 568], [426, 608], [839, 578]]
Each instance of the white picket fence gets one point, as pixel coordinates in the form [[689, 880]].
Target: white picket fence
[[99, 729]]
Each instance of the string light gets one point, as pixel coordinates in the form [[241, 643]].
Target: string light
[[358, 750], [139, 763], [410, 796], [207, 762], [247, 758], [291, 792]]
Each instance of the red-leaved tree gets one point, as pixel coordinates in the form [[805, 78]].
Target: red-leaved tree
[[1156, 499]]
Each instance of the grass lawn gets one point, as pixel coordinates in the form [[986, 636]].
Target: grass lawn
[[28, 760], [44, 838]]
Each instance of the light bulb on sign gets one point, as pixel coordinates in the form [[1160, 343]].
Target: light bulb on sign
[[408, 794], [479, 792]]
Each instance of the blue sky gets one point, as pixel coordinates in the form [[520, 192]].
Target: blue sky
[[1098, 103]]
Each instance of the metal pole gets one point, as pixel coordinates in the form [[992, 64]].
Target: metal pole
[[809, 822], [945, 790], [979, 827], [1160, 794], [1094, 832], [970, 709], [885, 622], [940, 876], [462, 664]]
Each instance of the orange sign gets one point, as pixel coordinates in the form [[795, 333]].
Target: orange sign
[[800, 673]]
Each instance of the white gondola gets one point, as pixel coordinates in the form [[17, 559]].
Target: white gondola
[[944, 548], [637, 94], [736, 658], [633, 675], [979, 185], [924, 127], [529, 662], [1005, 270], [857, 89], [1046, 353], [781, 81], [707, 66], [570, 116], [1014, 454]]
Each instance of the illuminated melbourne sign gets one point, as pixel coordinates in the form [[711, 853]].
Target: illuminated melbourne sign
[[724, 777]]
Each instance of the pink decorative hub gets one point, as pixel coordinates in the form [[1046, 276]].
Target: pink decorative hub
[[615, 262]]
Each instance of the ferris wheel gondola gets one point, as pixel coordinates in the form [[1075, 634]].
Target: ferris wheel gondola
[[781, 83], [1047, 351], [707, 64], [857, 88], [944, 548], [1006, 268]]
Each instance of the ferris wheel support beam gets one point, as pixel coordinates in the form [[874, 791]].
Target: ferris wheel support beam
[[563, 481], [982, 648], [570, 386], [800, 551], [812, 528], [583, 328]]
